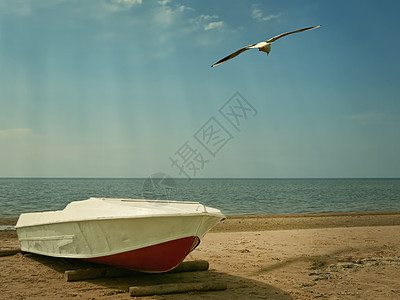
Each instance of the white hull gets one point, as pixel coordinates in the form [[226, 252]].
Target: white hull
[[103, 228]]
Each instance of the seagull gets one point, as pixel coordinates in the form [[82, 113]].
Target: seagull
[[262, 46]]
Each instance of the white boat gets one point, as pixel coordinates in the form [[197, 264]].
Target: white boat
[[138, 234]]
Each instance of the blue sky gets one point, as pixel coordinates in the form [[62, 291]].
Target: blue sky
[[120, 88]]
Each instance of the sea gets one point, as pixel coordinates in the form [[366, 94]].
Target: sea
[[231, 196]]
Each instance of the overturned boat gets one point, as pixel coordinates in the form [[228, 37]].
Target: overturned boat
[[138, 234]]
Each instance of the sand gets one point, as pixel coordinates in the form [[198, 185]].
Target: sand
[[329, 256]]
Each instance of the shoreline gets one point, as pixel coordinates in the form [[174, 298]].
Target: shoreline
[[240, 223]]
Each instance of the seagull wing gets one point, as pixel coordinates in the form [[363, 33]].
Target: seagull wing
[[233, 55], [271, 40]]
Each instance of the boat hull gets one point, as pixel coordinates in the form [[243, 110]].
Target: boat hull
[[151, 236], [157, 258]]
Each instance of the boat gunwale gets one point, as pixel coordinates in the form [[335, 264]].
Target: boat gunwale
[[144, 200], [204, 213]]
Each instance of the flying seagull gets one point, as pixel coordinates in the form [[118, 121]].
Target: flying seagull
[[262, 46]]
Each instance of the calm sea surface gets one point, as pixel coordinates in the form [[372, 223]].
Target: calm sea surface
[[232, 196]]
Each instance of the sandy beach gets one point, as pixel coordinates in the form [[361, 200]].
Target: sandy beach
[[331, 256]]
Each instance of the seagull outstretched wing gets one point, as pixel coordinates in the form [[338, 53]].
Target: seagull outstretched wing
[[271, 40], [260, 45], [230, 56]]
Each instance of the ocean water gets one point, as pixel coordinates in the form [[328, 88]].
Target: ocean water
[[231, 196]]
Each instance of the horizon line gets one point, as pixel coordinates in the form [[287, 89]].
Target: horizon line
[[201, 178]]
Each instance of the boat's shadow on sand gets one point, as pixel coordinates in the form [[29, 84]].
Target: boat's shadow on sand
[[237, 287]]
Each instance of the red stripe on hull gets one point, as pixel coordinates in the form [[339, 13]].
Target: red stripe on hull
[[156, 258]]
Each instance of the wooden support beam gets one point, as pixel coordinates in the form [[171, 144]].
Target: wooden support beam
[[161, 289], [93, 273], [8, 252]]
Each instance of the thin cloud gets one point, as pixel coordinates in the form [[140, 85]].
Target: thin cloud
[[167, 14], [270, 17], [120, 5], [18, 7], [88, 8], [126, 2], [209, 22], [368, 117], [201, 19], [258, 15], [17, 132], [214, 25]]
